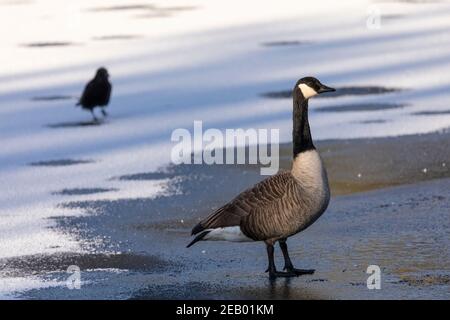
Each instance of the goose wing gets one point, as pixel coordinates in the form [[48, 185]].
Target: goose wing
[[253, 201]]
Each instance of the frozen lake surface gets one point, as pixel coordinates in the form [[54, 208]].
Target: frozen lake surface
[[173, 62]]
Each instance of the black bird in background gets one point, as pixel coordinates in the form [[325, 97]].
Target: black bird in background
[[97, 93]]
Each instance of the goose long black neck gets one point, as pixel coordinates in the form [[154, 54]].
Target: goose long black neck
[[301, 134]]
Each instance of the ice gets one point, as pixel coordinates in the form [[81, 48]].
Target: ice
[[207, 63], [9, 287]]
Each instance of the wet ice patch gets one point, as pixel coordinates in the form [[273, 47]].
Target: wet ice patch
[[284, 43], [75, 124], [145, 10], [373, 121], [52, 98], [60, 162], [47, 44], [172, 225], [361, 107], [148, 176], [121, 189], [59, 262], [340, 91], [432, 113], [189, 290], [82, 191], [26, 276]]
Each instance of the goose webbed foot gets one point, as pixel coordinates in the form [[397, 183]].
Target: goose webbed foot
[[273, 273], [288, 266], [282, 274], [289, 272], [299, 272]]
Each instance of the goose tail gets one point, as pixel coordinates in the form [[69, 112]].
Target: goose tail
[[199, 237]]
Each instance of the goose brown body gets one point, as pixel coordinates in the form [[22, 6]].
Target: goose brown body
[[277, 207]]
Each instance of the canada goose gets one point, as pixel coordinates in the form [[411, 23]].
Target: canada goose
[[97, 93], [283, 204]]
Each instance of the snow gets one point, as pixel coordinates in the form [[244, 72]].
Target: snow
[[205, 64], [10, 286]]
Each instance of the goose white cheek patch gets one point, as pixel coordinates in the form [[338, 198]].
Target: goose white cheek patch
[[307, 91]]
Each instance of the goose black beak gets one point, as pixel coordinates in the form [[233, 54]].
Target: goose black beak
[[324, 88]]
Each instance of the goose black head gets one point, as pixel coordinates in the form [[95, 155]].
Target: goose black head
[[102, 73], [309, 87]]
